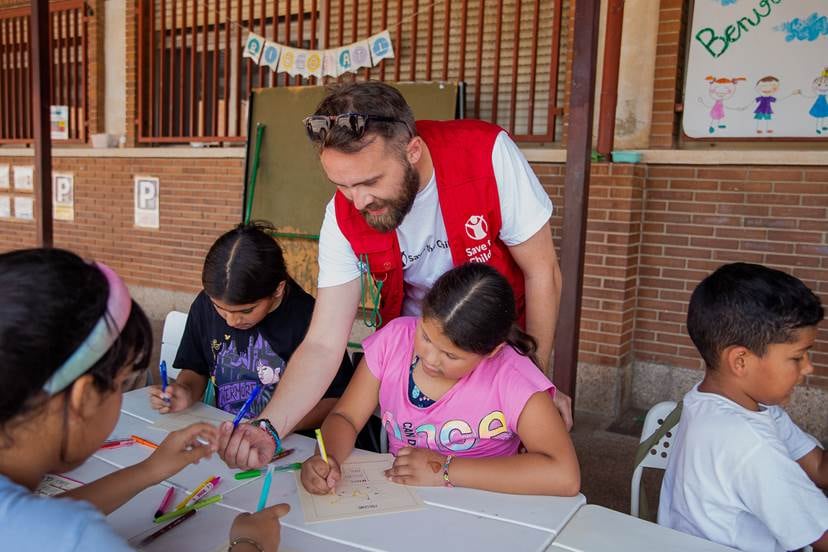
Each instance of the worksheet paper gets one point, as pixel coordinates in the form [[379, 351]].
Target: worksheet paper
[[363, 491]]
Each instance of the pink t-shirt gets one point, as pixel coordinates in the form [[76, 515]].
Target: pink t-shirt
[[477, 417]]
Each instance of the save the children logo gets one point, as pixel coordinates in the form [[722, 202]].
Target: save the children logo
[[476, 227]]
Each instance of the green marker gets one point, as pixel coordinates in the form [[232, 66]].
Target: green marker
[[289, 467], [181, 511], [249, 474]]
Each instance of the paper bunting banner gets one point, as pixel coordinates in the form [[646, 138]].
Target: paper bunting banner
[[319, 63], [287, 62], [360, 55], [381, 47], [329, 64], [253, 47], [271, 54]]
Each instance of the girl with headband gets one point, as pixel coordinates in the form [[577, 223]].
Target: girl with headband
[[71, 340]]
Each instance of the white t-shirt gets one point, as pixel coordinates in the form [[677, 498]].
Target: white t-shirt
[[33, 522], [732, 478], [524, 207]]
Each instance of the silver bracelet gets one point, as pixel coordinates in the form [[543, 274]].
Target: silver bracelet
[[244, 540]]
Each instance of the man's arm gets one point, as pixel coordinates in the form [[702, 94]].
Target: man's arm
[[538, 261], [313, 365]]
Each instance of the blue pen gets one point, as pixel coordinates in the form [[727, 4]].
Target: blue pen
[[265, 489], [246, 406], [164, 382]]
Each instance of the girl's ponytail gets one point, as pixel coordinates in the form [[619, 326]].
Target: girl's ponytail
[[523, 343]]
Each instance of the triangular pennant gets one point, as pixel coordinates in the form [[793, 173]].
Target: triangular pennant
[[253, 47], [271, 54], [381, 47], [360, 55]]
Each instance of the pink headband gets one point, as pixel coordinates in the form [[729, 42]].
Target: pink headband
[[100, 339]]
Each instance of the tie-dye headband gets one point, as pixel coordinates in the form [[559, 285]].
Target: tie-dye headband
[[100, 339]]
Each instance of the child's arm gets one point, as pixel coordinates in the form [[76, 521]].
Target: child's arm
[[815, 464], [187, 388], [822, 544], [340, 429], [178, 450], [549, 467]]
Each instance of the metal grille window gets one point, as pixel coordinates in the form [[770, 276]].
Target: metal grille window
[[69, 62], [193, 81]]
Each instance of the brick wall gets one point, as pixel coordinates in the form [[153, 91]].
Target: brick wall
[[200, 199], [668, 80], [653, 233]]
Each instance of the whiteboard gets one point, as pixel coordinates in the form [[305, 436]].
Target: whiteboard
[[735, 44]]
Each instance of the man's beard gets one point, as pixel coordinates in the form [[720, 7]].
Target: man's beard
[[396, 208]]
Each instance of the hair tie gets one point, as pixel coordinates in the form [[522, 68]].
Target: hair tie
[[100, 339]]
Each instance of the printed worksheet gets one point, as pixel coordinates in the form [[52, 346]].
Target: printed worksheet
[[363, 491], [198, 412], [52, 485]]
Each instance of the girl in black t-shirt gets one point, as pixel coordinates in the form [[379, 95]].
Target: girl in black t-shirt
[[242, 329]]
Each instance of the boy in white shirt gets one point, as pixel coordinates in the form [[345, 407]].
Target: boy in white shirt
[[741, 472]]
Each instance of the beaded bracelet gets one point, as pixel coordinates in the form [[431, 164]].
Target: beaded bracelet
[[446, 480], [245, 540]]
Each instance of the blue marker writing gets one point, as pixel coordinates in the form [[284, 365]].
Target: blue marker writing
[[246, 406], [164, 381]]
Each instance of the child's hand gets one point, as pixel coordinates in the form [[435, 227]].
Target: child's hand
[[180, 449], [262, 527], [417, 466], [177, 398], [319, 477]]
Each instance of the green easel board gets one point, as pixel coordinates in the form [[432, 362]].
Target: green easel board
[[291, 190]]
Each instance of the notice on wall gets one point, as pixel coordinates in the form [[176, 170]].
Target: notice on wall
[[757, 69], [5, 206], [24, 207], [24, 178], [147, 202], [59, 115], [4, 177], [63, 196]]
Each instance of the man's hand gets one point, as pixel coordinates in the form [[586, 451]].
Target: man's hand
[[246, 447], [564, 405]]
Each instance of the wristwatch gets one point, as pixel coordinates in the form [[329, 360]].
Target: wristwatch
[[264, 423]]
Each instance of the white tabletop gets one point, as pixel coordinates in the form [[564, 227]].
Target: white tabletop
[[463, 519], [595, 528]]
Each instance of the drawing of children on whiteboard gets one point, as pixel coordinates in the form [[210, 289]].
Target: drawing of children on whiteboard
[[819, 110], [767, 88], [719, 90]]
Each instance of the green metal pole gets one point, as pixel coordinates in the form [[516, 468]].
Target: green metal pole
[[251, 189]]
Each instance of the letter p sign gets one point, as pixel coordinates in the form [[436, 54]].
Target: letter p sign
[[146, 202]]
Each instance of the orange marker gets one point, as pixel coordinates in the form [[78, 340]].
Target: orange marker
[[142, 441]]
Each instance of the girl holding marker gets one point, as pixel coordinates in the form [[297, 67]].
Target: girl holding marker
[[71, 339], [242, 329], [459, 391]]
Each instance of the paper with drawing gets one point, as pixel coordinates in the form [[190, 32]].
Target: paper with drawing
[[363, 491], [198, 412]]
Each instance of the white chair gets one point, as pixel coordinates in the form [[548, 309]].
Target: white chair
[[657, 454], [171, 339]]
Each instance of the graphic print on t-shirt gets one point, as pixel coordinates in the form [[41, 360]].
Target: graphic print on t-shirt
[[238, 370]]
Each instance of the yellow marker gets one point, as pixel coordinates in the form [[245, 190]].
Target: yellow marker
[[321, 445], [204, 483]]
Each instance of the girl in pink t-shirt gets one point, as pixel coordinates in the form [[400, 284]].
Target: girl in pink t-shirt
[[459, 392]]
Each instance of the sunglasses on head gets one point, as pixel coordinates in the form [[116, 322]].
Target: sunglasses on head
[[318, 126]]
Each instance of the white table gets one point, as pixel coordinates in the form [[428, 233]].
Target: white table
[[595, 528], [454, 519]]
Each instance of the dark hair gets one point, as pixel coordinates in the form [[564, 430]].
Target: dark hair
[[749, 305], [369, 98], [51, 301], [475, 305], [244, 265], [769, 78]]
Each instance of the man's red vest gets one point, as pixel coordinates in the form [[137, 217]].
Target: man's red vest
[[461, 152]]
